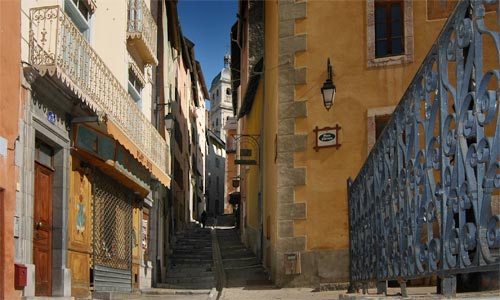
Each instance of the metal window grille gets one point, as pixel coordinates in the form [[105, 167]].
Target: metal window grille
[[113, 224]]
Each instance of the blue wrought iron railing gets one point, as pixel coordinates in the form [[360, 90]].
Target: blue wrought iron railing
[[426, 202]]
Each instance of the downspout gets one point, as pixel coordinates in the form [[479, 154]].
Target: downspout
[[260, 204]]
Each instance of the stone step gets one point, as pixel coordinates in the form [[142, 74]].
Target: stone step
[[194, 269], [187, 286], [184, 265], [190, 280], [240, 262], [192, 261], [192, 247], [241, 254], [192, 252], [185, 273]]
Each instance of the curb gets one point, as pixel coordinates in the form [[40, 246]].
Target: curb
[[220, 274]]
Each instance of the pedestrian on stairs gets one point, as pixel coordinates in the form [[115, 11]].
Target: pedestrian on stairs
[[203, 218]]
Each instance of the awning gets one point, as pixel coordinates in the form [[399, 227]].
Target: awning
[[117, 134]]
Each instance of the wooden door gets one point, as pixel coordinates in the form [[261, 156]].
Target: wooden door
[[42, 234]]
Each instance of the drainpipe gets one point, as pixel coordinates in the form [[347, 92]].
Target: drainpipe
[[260, 249]]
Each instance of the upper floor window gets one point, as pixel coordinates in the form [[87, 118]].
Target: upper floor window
[[377, 120], [135, 86], [389, 28], [80, 14], [228, 91], [389, 32]]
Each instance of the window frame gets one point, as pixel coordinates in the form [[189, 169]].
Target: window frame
[[83, 23], [372, 115], [408, 55], [387, 5]]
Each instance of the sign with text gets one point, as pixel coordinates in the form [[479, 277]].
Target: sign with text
[[327, 137]]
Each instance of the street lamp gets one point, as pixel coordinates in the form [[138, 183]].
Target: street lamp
[[328, 90], [169, 121]]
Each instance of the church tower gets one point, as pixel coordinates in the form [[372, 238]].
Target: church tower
[[221, 99]]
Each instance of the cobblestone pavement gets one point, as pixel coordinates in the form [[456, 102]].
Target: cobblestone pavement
[[425, 293], [171, 294], [256, 293]]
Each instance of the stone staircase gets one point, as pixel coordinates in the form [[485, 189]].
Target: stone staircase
[[191, 264], [241, 266]]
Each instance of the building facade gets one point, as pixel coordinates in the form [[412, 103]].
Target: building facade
[[298, 220], [215, 174], [95, 159], [232, 195], [10, 148]]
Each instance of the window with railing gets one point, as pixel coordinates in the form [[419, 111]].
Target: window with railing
[[57, 46], [80, 13], [141, 30], [135, 86]]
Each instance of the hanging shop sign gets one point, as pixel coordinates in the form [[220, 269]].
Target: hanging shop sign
[[327, 137]]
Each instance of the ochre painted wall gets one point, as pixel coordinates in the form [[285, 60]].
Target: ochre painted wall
[[253, 127], [269, 151], [359, 88], [10, 100]]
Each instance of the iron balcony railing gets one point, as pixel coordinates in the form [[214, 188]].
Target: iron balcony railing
[[425, 202], [58, 48], [141, 30]]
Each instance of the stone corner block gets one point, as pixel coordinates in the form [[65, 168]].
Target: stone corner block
[[292, 211], [297, 109], [291, 177], [293, 143], [301, 76], [291, 244], [292, 10]]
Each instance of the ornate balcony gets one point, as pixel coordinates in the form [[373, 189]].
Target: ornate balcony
[[57, 48], [141, 30], [425, 203]]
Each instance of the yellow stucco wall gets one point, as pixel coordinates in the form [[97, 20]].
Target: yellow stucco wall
[[359, 88], [271, 128], [253, 126]]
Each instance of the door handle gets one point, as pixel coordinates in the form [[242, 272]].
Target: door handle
[[39, 225]]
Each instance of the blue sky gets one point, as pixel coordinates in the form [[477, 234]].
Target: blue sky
[[207, 23]]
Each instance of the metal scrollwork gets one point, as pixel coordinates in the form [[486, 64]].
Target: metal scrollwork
[[426, 200]]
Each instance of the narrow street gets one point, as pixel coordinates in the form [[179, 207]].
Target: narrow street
[[212, 263]]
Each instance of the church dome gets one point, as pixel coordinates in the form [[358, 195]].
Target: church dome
[[225, 73]]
